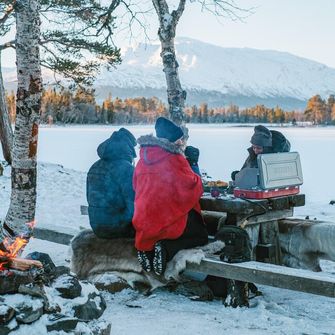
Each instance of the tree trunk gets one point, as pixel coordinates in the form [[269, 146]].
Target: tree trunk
[[6, 132], [21, 212], [167, 32]]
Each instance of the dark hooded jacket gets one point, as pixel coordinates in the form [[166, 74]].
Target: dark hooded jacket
[[110, 193], [279, 144]]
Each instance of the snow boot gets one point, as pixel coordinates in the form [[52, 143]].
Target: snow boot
[[144, 258], [160, 259], [237, 249], [237, 294]]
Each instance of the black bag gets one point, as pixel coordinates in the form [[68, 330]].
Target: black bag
[[237, 244]]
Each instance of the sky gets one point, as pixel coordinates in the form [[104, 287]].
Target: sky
[[301, 27]]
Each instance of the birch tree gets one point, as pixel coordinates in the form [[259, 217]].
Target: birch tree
[[166, 33], [6, 132], [21, 212], [168, 21], [76, 41]]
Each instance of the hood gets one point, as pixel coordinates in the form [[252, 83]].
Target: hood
[[115, 148], [155, 149], [152, 141]]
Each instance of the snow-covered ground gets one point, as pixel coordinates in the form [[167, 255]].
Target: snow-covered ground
[[61, 191]]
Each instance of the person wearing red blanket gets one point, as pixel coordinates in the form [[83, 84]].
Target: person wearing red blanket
[[167, 216]]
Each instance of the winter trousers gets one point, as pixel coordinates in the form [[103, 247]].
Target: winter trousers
[[195, 234]]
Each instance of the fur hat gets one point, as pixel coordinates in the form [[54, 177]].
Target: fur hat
[[167, 129], [261, 137]]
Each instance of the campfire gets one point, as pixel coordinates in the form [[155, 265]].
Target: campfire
[[10, 250], [34, 291]]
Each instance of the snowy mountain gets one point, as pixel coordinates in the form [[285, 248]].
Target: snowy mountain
[[220, 76]]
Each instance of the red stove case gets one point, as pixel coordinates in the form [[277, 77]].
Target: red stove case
[[265, 194], [277, 175]]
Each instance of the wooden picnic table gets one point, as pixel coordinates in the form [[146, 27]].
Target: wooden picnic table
[[258, 216]]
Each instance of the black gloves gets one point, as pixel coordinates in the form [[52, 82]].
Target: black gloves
[[192, 154]]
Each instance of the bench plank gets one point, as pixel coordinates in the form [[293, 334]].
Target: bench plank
[[269, 274], [60, 237]]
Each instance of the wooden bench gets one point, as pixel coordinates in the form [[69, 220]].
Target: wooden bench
[[257, 272], [270, 274]]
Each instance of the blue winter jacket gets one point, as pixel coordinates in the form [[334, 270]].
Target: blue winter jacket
[[110, 193]]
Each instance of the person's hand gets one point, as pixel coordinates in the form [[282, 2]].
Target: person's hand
[[192, 154]]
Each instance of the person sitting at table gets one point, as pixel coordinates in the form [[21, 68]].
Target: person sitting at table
[[110, 193], [264, 141], [167, 216]]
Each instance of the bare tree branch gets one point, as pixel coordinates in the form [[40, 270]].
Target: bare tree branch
[[9, 44], [176, 14], [226, 9]]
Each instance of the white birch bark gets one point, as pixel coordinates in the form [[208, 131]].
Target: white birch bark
[[23, 197], [167, 32], [6, 132]]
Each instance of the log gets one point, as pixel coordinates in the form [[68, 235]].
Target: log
[[20, 264], [23, 264], [3, 259]]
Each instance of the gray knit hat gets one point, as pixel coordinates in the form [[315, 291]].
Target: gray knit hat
[[262, 137]]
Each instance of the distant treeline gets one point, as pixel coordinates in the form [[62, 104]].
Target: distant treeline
[[80, 107]]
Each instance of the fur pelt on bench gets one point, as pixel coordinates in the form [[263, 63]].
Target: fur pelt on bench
[[305, 242], [92, 256]]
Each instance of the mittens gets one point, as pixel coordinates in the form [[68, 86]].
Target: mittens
[[192, 154]]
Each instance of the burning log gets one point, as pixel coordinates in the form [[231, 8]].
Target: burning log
[[20, 264], [8, 255], [23, 264]]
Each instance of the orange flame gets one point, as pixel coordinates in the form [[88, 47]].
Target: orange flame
[[13, 248]]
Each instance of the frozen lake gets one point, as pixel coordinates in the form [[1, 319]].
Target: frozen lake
[[222, 150]]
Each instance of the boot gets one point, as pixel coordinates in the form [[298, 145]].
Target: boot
[[237, 294], [144, 258], [160, 259]]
